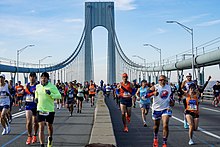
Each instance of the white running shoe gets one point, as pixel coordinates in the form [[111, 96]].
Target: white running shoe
[[4, 132], [8, 129], [191, 142]]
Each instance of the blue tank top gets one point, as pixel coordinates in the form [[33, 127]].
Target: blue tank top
[[30, 102], [143, 93]]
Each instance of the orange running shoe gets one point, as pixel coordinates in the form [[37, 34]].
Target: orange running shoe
[[34, 139], [125, 129], [128, 119], [155, 143], [29, 140], [164, 145]]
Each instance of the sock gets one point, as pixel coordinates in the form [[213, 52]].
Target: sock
[[155, 136], [42, 145], [50, 138], [164, 140]]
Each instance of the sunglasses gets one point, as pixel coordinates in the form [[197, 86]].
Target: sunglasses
[[161, 80]]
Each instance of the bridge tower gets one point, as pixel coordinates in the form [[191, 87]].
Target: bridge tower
[[100, 14]]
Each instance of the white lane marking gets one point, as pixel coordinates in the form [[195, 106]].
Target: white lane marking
[[210, 109], [18, 114], [200, 129]]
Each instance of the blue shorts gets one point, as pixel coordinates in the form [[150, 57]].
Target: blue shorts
[[156, 115], [145, 106], [4, 107], [20, 98], [126, 101]]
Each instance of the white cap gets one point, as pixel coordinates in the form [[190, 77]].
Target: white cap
[[2, 75], [189, 75]]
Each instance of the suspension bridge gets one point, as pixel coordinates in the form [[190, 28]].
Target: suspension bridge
[[80, 66]]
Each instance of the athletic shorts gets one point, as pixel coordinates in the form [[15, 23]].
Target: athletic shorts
[[20, 98], [126, 101], [79, 98], [194, 115], [4, 107], [70, 100], [33, 110], [86, 92], [145, 106], [157, 115], [92, 95], [49, 118]]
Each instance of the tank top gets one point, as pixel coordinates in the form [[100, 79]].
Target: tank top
[[30, 90], [92, 89], [143, 93], [125, 91], [4, 98], [192, 104], [80, 92], [187, 85]]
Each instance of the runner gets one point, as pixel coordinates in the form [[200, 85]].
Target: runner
[[124, 91], [70, 98], [31, 109], [185, 89], [161, 109], [136, 86], [80, 97], [20, 94], [216, 92], [108, 90], [86, 91], [4, 104], [59, 87], [92, 92], [11, 89], [45, 94], [143, 95]]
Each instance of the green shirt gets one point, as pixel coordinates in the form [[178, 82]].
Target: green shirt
[[46, 101]]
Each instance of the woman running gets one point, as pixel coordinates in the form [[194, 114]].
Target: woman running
[[80, 97], [70, 98]]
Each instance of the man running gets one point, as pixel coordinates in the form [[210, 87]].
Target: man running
[[80, 97], [86, 91], [45, 94], [11, 89], [20, 94], [70, 98], [4, 105], [124, 91], [161, 109], [216, 92], [31, 109]]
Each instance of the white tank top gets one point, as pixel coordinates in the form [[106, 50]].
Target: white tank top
[[4, 99], [162, 101]]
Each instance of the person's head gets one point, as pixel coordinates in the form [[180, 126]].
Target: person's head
[[19, 82], [32, 77], [58, 81], [2, 78], [70, 84], [91, 81], [217, 82], [144, 83], [162, 80], [192, 88], [44, 78], [125, 77], [10, 82], [189, 76]]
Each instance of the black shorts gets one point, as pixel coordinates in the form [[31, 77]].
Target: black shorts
[[79, 98], [33, 110], [49, 118], [194, 115], [20, 98], [126, 101], [70, 101], [86, 92], [91, 95], [4, 107]]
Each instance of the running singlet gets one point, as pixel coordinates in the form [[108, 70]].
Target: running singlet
[[92, 89], [80, 92], [108, 88], [187, 84], [143, 93], [192, 104], [19, 90], [162, 101], [70, 93], [216, 89], [4, 98], [30, 96], [125, 91]]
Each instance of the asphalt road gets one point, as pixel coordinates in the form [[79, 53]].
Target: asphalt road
[[68, 131], [139, 136]]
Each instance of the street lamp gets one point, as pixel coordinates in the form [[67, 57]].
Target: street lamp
[[157, 49], [18, 53], [144, 63], [189, 30], [41, 61]]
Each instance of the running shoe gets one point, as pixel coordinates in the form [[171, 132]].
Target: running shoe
[[164, 145], [125, 129], [4, 132], [8, 129], [155, 143], [186, 126], [29, 139], [191, 142], [128, 119], [145, 125], [49, 143], [34, 139]]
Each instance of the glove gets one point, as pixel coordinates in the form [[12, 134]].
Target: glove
[[48, 92]]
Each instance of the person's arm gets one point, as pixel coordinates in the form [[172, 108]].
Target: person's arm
[[204, 86], [55, 94]]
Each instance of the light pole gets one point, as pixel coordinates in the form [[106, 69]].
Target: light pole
[[41, 61], [189, 30], [157, 49], [18, 53], [144, 63]]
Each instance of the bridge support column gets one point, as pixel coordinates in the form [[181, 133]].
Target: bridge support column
[[26, 77], [13, 77]]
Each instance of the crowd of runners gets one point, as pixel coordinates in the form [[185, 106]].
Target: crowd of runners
[[37, 99]]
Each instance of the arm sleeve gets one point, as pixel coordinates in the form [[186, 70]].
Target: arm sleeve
[[55, 94]]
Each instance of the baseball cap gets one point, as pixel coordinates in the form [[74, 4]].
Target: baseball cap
[[124, 75], [2, 75], [189, 75]]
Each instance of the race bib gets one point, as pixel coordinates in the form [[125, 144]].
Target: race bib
[[216, 91], [192, 105], [2, 94], [70, 95], [126, 94], [44, 113], [29, 98]]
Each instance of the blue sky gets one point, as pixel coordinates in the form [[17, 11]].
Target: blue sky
[[55, 27]]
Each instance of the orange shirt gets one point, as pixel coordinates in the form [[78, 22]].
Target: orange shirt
[[126, 91], [19, 90], [192, 104], [92, 89]]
